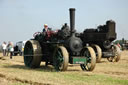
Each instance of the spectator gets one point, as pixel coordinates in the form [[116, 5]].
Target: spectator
[[8, 50], [11, 50], [4, 46]]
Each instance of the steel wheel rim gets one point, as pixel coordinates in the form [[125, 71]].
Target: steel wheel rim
[[98, 52], [28, 54]]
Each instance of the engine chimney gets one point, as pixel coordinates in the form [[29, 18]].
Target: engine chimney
[[72, 20]]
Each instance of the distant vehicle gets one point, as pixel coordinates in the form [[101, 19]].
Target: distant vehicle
[[19, 48]]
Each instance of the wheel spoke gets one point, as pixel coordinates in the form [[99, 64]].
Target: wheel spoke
[[58, 59], [87, 66]]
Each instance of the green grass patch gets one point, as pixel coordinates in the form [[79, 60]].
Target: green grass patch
[[90, 79]]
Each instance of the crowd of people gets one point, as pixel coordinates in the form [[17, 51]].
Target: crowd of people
[[7, 49]]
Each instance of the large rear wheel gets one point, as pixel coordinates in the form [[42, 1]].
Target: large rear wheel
[[98, 52], [32, 54], [61, 59], [117, 56], [89, 53]]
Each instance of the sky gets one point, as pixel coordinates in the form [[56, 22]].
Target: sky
[[20, 19]]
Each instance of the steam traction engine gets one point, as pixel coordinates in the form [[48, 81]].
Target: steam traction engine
[[59, 49], [101, 40]]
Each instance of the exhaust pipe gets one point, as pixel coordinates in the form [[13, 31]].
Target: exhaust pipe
[[72, 20]]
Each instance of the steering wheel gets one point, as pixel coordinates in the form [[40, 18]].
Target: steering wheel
[[36, 33]]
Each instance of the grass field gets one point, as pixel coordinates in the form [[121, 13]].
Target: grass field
[[13, 72]]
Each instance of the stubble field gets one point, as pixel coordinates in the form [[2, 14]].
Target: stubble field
[[13, 72]]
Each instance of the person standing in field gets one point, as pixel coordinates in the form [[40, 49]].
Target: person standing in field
[[11, 49], [4, 46], [8, 50]]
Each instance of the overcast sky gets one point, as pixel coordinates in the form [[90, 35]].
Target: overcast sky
[[20, 19]]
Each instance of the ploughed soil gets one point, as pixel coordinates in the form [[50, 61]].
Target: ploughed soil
[[14, 72]]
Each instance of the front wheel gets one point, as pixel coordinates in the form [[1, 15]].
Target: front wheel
[[61, 58], [117, 56], [89, 53]]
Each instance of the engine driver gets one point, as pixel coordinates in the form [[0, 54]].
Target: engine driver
[[47, 31], [46, 28]]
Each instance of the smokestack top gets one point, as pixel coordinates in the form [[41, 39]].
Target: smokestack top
[[73, 9]]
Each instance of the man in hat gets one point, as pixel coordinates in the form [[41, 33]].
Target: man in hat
[[47, 31], [46, 28]]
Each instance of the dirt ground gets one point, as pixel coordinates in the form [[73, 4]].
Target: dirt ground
[[13, 72]]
